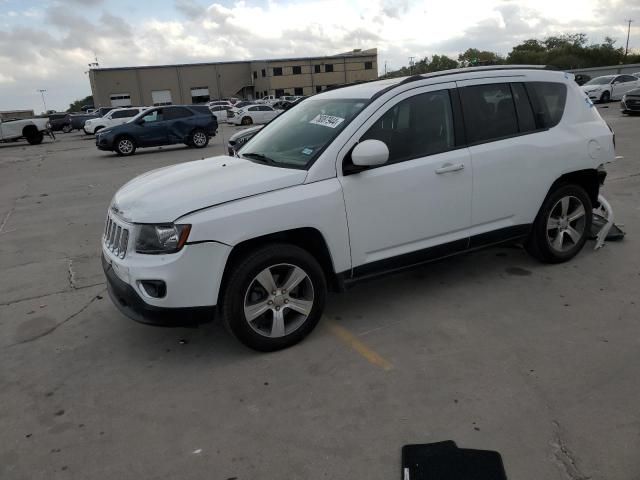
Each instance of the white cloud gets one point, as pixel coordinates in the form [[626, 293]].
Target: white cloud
[[54, 52]]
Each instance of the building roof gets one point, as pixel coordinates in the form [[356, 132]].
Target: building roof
[[354, 53]]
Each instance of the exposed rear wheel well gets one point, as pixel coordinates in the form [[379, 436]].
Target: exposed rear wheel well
[[590, 180], [29, 131], [309, 239]]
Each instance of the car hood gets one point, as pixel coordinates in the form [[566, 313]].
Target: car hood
[[164, 195]]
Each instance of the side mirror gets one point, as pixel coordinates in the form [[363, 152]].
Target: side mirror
[[370, 153]]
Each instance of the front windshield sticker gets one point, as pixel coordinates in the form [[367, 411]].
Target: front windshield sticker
[[327, 120], [307, 151]]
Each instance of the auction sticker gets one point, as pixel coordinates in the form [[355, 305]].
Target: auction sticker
[[327, 120]]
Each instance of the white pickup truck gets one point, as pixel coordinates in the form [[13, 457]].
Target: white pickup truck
[[32, 129]]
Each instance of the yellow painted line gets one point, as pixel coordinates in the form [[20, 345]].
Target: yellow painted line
[[351, 340]]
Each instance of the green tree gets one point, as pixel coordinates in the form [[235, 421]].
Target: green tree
[[473, 57], [78, 104], [441, 62]]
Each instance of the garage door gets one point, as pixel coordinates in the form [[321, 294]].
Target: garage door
[[120, 99], [161, 97]]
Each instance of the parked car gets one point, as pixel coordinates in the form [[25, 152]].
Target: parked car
[[254, 114], [282, 105], [239, 139], [220, 112], [215, 103], [354, 183], [78, 120], [114, 117], [268, 99], [189, 124], [31, 129], [630, 102], [60, 122], [610, 87], [581, 78]]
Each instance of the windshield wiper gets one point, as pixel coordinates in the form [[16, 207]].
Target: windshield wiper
[[260, 157]]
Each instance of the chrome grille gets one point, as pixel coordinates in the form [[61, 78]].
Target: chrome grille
[[116, 237]]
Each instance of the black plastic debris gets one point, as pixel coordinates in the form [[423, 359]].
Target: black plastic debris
[[445, 461], [598, 222]]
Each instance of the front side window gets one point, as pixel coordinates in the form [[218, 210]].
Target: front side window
[[416, 127], [296, 137], [489, 112], [154, 116], [548, 100]]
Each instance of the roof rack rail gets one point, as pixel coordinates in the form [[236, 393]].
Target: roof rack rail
[[443, 73]]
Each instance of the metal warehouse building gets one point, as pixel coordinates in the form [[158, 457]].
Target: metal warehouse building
[[201, 82]]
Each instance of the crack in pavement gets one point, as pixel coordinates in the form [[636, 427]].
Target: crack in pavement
[[6, 218], [564, 457], [72, 279], [25, 299], [55, 327]]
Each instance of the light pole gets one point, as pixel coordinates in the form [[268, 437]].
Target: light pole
[[42, 90], [626, 50]]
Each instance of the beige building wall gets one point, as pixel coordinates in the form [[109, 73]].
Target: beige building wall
[[229, 79]]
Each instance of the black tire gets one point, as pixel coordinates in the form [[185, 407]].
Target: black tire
[[66, 128], [540, 244], [124, 146], [198, 138], [246, 121], [35, 138], [243, 277], [605, 97]]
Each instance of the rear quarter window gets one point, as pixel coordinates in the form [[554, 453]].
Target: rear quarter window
[[548, 100]]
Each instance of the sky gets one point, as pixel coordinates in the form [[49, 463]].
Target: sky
[[48, 44]]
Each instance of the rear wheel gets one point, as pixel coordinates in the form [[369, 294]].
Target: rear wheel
[[562, 225], [66, 129], [246, 121], [35, 138], [198, 139], [125, 146], [605, 97], [274, 297]]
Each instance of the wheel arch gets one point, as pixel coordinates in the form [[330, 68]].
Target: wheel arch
[[307, 238], [29, 130], [589, 179]]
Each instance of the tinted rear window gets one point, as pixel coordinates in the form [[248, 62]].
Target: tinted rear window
[[489, 112], [548, 100], [524, 110]]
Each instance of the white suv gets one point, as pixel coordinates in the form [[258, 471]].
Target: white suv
[[114, 117], [356, 182]]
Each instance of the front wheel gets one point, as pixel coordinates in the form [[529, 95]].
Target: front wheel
[[198, 139], [66, 129], [274, 297], [246, 121], [605, 97], [562, 225], [125, 146]]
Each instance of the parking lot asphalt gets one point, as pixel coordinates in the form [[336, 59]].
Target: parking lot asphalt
[[491, 349]]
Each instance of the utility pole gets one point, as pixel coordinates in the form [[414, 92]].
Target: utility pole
[[411, 65], [42, 90], [385, 68], [626, 50]]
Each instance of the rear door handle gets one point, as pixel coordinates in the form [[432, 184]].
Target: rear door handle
[[449, 167]]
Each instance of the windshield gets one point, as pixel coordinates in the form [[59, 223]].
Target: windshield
[[296, 137], [599, 81]]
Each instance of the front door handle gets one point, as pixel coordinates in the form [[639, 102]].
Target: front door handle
[[449, 167]]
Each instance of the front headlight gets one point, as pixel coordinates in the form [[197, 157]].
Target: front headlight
[[158, 239], [48, 125]]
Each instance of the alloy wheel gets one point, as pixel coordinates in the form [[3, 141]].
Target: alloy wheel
[[125, 146], [199, 139], [278, 300], [566, 224]]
